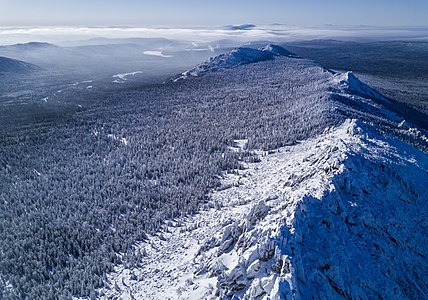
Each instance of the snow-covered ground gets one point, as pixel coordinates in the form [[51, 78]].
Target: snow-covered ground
[[237, 57], [342, 215], [178, 254], [331, 217]]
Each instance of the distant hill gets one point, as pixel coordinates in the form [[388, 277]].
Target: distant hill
[[33, 45], [13, 66], [240, 27]]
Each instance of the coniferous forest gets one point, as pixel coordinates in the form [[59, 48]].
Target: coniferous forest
[[75, 196]]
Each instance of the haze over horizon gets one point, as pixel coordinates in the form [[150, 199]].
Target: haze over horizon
[[201, 13], [75, 35]]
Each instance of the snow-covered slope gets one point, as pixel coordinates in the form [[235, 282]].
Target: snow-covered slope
[[277, 50], [31, 46], [351, 84], [237, 57], [13, 66], [339, 216]]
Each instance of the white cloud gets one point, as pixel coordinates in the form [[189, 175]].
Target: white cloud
[[9, 35]]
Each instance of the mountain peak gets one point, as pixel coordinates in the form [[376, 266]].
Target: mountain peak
[[356, 86], [277, 50], [32, 45], [240, 27], [236, 57]]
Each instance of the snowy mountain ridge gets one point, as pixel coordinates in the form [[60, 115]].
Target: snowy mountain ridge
[[236, 57], [263, 245], [352, 84], [341, 215], [13, 66]]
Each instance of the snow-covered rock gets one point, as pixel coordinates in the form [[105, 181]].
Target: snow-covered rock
[[277, 50], [341, 215], [355, 85], [237, 57], [351, 226]]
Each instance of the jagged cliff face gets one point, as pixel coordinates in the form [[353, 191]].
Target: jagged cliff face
[[340, 215]]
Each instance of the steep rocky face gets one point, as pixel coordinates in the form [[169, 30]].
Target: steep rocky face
[[323, 225]]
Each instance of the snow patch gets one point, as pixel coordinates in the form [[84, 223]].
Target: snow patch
[[156, 53], [115, 138], [77, 83], [122, 78]]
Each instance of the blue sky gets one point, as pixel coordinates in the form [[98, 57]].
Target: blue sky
[[204, 13]]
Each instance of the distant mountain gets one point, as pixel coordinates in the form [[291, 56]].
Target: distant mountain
[[13, 66], [33, 45], [140, 42], [240, 27], [237, 57]]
